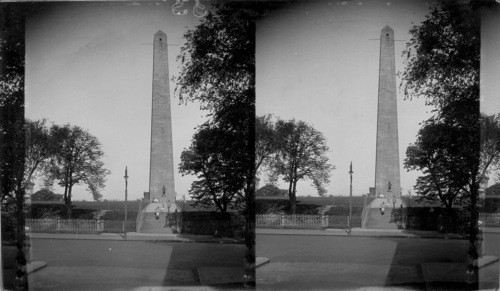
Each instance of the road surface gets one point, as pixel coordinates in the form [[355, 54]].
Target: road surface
[[111, 264], [300, 262]]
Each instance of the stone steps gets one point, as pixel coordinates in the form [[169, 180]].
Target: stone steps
[[153, 225], [377, 220]]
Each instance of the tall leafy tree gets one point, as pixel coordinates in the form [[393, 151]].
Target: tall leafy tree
[[434, 153], [12, 121], [442, 66], [11, 106], [220, 177], [78, 160], [301, 155], [218, 71]]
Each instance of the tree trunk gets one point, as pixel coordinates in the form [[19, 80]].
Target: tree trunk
[[249, 277], [68, 203], [65, 194], [293, 197], [472, 276], [21, 237], [249, 259]]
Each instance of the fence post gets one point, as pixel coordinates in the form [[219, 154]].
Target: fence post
[[282, 220]]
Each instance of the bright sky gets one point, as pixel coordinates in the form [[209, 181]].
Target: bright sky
[[86, 65], [318, 62], [490, 67], [490, 62]]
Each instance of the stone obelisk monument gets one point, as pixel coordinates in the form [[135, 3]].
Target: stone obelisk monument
[[387, 177], [161, 171]]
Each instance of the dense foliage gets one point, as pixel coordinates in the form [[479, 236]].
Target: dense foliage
[[46, 195], [211, 157], [442, 66], [11, 107]]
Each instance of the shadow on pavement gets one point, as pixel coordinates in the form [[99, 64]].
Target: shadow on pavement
[[442, 267], [205, 264], [432, 234]]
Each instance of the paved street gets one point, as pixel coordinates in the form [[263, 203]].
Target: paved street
[[302, 262], [111, 264]]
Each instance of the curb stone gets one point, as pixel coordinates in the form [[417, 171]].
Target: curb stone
[[34, 266], [259, 261], [137, 237]]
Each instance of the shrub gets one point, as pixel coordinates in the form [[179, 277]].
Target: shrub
[[434, 219], [39, 211], [271, 190], [283, 206], [8, 227], [119, 215], [208, 223], [116, 226], [344, 211]]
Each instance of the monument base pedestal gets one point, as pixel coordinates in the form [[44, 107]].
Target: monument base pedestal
[[162, 207]]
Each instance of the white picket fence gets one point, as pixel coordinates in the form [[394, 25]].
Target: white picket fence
[[492, 219], [297, 220], [65, 225]]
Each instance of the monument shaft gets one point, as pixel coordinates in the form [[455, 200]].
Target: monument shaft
[[387, 176], [161, 172]]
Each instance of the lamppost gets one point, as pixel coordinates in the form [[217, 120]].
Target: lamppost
[[126, 196], [350, 200]]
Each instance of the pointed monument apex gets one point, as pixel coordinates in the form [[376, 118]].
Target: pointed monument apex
[[160, 33]]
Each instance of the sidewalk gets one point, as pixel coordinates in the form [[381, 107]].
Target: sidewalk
[[135, 236], [360, 232], [204, 275]]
